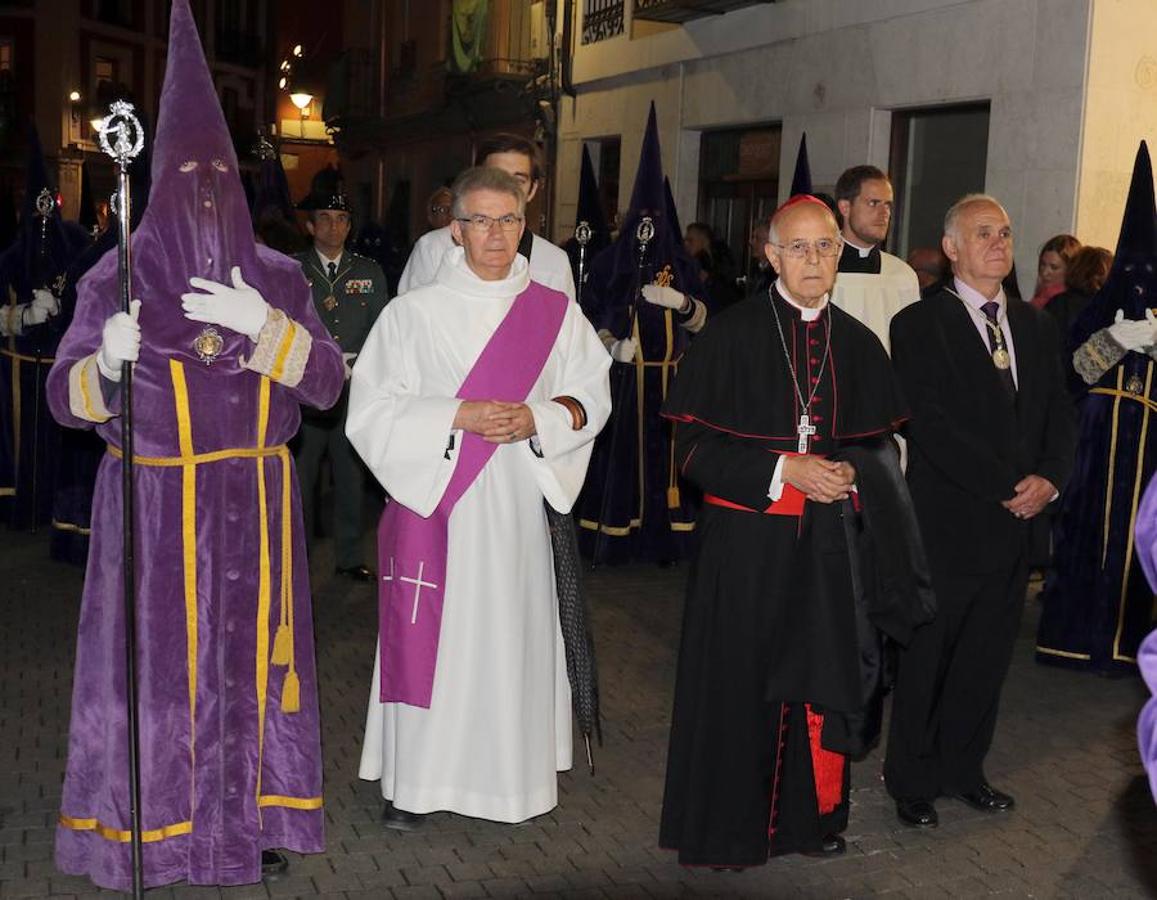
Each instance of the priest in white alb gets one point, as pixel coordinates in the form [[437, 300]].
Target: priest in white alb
[[474, 399]]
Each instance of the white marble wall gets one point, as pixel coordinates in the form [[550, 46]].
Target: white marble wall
[[837, 69], [1120, 112]]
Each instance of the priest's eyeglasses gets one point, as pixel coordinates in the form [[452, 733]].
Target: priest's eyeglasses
[[483, 224], [801, 248]]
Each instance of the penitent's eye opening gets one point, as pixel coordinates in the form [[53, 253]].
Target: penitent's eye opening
[[188, 165], [220, 166]]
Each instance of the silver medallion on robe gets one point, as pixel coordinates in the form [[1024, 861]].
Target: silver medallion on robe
[[1135, 385], [208, 344]]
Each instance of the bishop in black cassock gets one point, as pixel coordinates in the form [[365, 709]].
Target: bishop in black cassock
[[770, 667]]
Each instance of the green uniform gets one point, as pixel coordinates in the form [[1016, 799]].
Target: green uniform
[[348, 303]]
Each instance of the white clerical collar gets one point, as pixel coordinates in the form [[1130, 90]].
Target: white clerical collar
[[325, 260], [807, 313], [864, 252], [457, 275], [976, 300]]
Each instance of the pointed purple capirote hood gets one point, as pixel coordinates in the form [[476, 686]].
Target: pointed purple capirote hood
[[197, 222]]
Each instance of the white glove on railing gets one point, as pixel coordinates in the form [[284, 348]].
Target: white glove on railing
[[1134, 334], [624, 351], [120, 342], [664, 296], [347, 360], [240, 308], [44, 305]]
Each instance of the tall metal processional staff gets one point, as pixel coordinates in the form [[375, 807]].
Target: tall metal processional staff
[[122, 138]]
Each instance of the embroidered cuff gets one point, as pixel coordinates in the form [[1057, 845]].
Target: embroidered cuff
[[1097, 355], [696, 318], [282, 350], [85, 397]]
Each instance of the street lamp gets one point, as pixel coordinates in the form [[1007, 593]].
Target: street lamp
[[301, 100]]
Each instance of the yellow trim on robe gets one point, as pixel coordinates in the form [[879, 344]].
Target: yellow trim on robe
[[1112, 465], [1137, 478], [189, 554], [262, 660], [283, 350], [289, 802], [1065, 653], [149, 836]]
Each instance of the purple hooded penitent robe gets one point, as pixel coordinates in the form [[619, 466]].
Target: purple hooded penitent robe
[[230, 757]]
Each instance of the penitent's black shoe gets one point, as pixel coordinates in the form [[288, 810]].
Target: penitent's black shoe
[[357, 573], [986, 798], [273, 863], [917, 813], [400, 820], [832, 845]]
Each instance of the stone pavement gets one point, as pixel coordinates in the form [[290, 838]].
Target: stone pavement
[[1084, 825]]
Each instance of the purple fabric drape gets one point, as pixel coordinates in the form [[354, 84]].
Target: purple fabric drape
[[411, 549]]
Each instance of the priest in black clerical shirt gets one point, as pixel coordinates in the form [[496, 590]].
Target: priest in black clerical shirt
[[771, 402], [872, 285]]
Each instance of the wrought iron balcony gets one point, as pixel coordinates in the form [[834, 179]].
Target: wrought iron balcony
[[679, 11]]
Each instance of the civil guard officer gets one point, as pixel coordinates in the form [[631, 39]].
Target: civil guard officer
[[349, 291]]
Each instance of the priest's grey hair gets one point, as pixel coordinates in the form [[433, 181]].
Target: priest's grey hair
[[485, 178], [956, 210]]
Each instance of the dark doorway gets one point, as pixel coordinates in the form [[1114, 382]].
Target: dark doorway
[[938, 155]]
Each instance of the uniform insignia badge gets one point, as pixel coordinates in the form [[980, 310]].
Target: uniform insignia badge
[[208, 344], [359, 286], [329, 303]]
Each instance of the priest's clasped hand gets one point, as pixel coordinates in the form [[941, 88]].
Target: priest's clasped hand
[[495, 421], [1134, 334], [240, 308], [120, 342], [1033, 493], [822, 480]]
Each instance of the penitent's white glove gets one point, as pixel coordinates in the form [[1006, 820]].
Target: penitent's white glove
[[44, 305], [120, 342], [240, 308], [1134, 334], [347, 360], [623, 351], [664, 296]]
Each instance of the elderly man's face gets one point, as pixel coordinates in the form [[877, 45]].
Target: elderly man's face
[[981, 248], [806, 251], [490, 245]]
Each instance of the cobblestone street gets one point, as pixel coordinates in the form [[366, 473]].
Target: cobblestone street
[[1084, 825]]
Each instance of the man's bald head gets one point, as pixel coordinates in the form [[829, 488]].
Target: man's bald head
[[803, 245], [802, 204]]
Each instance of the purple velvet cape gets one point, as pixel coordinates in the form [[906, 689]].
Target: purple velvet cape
[[1146, 534], [212, 798]]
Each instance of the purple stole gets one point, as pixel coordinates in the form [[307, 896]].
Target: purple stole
[[412, 550]]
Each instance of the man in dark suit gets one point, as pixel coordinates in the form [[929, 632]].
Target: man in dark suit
[[990, 445]]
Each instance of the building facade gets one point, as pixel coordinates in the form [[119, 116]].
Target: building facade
[[1039, 102]]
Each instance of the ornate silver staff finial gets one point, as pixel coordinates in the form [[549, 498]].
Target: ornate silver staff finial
[[264, 149], [582, 232], [120, 133], [45, 203], [646, 230]]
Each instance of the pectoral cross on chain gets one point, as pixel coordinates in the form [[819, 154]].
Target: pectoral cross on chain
[[805, 430], [418, 584]]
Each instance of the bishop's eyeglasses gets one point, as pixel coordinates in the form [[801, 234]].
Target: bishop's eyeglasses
[[483, 224], [823, 246]]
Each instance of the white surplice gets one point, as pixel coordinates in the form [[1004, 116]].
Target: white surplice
[[874, 299], [499, 723]]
